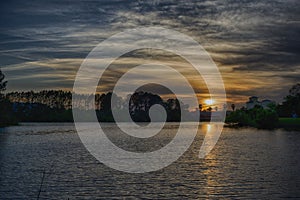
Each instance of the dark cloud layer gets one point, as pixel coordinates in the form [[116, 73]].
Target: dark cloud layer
[[259, 40]]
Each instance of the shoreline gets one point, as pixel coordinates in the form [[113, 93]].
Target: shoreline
[[289, 124]]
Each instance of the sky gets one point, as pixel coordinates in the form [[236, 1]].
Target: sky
[[255, 44]]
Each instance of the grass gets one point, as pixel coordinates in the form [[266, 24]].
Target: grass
[[289, 122], [2, 125]]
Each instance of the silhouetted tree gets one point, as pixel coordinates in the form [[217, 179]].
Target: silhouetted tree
[[209, 109], [173, 110], [2, 82], [233, 107], [6, 114], [200, 106], [295, 90], [291, 105], [140, 103]]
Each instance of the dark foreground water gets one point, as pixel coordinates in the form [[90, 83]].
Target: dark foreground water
[[245, 163]]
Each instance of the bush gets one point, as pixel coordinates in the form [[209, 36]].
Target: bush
[[267, 118], [240, 117], [7, 117], [257, 117]]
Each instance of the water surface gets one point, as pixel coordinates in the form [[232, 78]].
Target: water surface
[[245, 163]]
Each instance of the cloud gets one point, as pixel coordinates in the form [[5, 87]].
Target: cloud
[[43, 74], [256, 40]]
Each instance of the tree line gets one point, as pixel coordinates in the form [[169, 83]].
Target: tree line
[[56, 106]]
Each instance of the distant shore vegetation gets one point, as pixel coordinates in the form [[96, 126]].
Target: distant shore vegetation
[[284, 115], [56, 106]]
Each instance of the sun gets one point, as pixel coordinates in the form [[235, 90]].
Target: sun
[[209, 102]]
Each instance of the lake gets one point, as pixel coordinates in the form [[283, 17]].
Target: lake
[[245, 164]]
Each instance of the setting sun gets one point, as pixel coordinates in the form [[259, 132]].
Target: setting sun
[[209, 101]]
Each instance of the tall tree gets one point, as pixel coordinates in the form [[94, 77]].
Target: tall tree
[[2, 82], [232, 107], [295, 90], [6, 115], [291, 106], [200, 107]]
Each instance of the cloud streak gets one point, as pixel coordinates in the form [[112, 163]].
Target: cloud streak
[[43, 43]]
